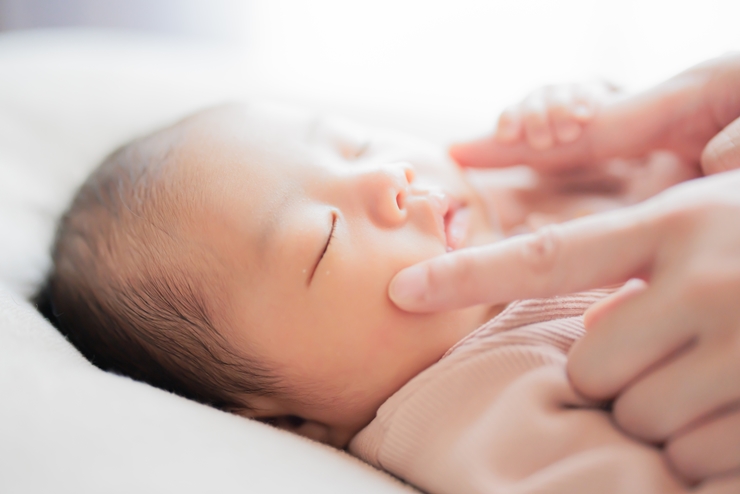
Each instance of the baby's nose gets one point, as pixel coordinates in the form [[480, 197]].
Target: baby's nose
[[385, 188]]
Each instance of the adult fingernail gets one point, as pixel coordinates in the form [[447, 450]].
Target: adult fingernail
[[408, 287], [634, 284]]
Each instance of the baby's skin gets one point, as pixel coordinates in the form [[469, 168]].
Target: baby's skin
[[308, 219]]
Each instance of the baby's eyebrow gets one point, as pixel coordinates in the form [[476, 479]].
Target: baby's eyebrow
[[271, 220]]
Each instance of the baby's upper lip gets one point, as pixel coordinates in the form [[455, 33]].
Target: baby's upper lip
[[444, 207]]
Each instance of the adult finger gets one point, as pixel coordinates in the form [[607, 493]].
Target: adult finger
[[726, 484], [585, 253], [722, 153], [618, 130], [491, 152], [625, 344], [627, 127], [601, 308], [678, 390], [710, 449]]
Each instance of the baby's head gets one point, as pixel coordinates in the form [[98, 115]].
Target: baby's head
[[242, 258]]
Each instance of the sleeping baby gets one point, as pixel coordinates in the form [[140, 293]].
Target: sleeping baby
[[242, 257]]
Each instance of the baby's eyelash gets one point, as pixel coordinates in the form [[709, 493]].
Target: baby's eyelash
[[326, 247], [331, 236], [331, 233]]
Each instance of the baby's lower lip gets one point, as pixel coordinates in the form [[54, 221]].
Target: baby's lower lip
[[457, 223]]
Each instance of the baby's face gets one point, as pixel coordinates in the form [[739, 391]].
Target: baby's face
[[309, 220]]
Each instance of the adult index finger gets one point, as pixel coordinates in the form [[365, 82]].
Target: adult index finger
[[586, 253], [492, 152], [626, 128]]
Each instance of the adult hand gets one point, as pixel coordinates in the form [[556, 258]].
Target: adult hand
[[669, 353], [680, 115]]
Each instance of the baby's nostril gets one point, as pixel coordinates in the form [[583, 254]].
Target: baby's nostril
[[410, 174], [401, 199]]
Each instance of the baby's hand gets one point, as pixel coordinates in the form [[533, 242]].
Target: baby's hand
[[553, 114]]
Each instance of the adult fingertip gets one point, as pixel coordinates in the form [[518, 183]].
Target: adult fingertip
[[583, 373], [463, 153], [600, 309], [409, 287]]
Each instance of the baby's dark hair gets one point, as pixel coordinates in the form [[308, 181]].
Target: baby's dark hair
[[121, 289]]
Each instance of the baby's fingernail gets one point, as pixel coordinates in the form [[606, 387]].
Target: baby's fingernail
[[583, 111], [408, 287], [506, 130]]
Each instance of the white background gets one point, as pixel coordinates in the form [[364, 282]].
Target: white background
[[443, 68], [460, 61]]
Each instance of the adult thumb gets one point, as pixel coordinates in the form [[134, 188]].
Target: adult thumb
[[722, 153]]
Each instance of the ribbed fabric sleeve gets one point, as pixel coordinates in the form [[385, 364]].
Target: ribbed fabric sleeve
[[497, 414]]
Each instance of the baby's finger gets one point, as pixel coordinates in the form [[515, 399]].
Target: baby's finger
[[578, 255], [584, 103], [567, 128], [583, 110], [536, 122], [509, 127]]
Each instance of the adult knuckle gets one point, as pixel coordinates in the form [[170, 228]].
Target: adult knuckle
[[449, 269], [642, 422], [464, 268], [540, 253], [682, 457], [685, 208], [436, 271], [676, 218]]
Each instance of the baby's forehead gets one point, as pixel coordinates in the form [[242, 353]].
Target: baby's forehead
[[255, 121], [272, 126]]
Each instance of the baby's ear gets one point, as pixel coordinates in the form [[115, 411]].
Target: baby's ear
[[299, 425], [272, 411]]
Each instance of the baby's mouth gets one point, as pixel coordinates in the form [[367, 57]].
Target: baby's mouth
[[456, 224], [452, 217]]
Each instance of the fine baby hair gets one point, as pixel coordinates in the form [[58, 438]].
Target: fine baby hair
[[120, 292]]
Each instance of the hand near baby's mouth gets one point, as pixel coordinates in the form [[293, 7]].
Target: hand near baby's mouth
[[673, 380]]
